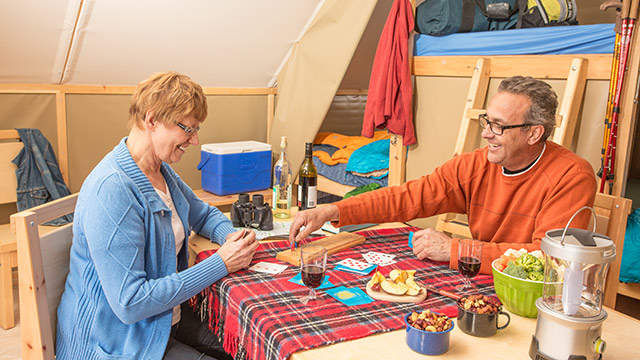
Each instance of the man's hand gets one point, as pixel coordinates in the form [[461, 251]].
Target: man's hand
[[238, 250], [431, 244], [311, 220]]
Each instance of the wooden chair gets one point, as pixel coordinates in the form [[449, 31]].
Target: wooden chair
[[43, 265], [611, 220], [468, 134], [10, 146]]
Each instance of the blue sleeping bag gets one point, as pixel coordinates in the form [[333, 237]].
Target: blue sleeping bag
[[371, 157], [630, 266]]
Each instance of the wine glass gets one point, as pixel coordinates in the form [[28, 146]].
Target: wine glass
[[469, 260], [313, 265]]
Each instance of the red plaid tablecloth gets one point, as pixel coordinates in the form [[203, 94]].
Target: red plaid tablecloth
[[259, 316]]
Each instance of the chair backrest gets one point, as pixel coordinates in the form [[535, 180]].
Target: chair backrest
[[611, 220], [10, 146], [43, 265]]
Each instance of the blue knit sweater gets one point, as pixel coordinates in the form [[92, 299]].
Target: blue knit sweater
[[122, 282]]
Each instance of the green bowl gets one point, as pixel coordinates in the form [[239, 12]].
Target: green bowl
[[517, 295]]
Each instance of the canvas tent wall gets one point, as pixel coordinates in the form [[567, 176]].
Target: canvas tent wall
[[235, 51]]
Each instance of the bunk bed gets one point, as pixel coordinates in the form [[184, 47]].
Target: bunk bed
[[541, 52], [352, 160], [338, 180]]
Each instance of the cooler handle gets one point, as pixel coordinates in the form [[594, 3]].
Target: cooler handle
[[203, 160]]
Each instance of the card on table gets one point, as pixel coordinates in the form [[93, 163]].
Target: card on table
[[364, 271], [354, 264], [350, 296], [378, 258], [268, 268], [325, 282]]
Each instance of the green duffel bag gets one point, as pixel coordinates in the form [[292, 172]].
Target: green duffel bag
[[443, 17]]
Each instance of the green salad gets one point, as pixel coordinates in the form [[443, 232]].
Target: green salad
[[526, 266]]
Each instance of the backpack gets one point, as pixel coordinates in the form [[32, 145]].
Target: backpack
[[443, 17], [540, 13]]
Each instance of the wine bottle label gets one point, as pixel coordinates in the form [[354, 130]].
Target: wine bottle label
[[307, 197], [312, 197]]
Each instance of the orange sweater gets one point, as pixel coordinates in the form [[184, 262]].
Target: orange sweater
[[504, 211]]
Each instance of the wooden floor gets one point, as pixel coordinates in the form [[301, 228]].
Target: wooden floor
[[10, 339]]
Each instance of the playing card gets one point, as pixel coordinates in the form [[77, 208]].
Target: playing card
[[354, 264], [364, 271], [268, 268], [378, 258], [383, 263]]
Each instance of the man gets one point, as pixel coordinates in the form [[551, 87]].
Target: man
[[513, 190]]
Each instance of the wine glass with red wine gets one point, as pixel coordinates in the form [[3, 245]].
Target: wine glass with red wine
[[313, 265], [469, 260]]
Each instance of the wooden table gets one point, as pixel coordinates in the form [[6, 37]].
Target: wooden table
[[619, 331], [221, 200], [199, 243]]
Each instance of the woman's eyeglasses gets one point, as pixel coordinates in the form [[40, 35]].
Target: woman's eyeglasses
[[188, 130]]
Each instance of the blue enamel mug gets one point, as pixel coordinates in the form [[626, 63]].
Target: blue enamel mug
[[427, 342]]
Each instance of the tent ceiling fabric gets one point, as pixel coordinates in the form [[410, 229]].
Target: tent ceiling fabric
[[313, 72], [121, 42]]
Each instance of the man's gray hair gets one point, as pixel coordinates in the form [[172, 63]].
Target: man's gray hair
[[544, 101]]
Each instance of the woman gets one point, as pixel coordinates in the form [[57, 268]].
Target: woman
[[128, 270]]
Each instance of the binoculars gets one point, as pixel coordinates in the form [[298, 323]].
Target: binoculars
[[253, 214]]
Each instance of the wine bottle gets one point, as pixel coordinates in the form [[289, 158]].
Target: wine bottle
[[282, 184], [307, 181]]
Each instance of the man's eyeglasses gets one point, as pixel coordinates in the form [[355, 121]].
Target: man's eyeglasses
[[189, 130], [496, 128]]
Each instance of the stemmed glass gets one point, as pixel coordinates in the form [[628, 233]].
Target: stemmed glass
[[469, 260], [313, 265]]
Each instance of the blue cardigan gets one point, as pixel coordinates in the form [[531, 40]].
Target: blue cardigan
[[122, 282]]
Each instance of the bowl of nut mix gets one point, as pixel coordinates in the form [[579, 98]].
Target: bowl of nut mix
[[428, 332], [478, 315]]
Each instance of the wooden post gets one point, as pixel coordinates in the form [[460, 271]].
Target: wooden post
[[475, 100], [571, 100], [61, 126], [397, 160]]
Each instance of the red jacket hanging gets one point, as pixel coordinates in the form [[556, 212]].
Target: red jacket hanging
[[389, 102]]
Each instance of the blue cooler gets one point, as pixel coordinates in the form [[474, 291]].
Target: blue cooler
[[235, 167]]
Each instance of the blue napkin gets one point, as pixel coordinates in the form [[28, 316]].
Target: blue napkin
[[350, 296], [325, 283]]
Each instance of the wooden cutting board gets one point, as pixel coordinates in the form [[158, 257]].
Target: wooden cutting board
[[333, 244], [381, 295]]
